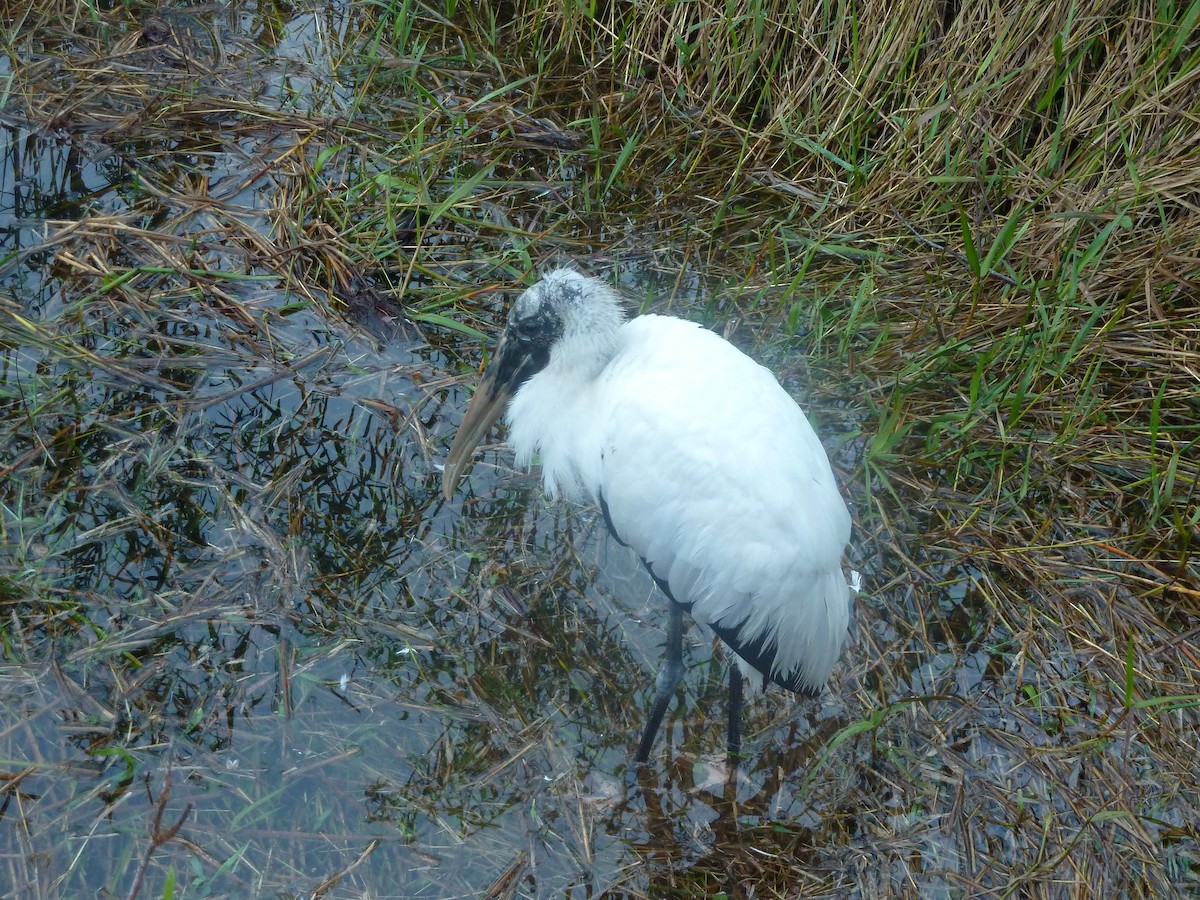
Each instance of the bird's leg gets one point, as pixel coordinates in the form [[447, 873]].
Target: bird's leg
[[667, 681], [734, 734]]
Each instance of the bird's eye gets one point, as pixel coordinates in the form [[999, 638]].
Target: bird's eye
[[526, 330], [541, 327]]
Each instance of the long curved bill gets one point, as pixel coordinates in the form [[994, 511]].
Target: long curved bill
[[490, 400], [514, 362]]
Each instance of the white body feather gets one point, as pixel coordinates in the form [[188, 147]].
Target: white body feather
[[710, 472]]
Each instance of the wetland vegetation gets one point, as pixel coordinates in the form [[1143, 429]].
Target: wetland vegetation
[[250, 256]]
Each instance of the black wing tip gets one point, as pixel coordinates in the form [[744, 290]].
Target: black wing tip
[[760, 653], [612, 529]]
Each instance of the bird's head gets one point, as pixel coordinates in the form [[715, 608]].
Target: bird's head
[[568, 322]]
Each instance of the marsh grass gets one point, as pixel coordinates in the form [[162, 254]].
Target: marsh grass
[[249, 262]]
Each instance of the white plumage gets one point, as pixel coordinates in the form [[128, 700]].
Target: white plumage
[[701, 462]]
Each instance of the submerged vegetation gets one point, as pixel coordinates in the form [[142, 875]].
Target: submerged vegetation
[[249, 255]]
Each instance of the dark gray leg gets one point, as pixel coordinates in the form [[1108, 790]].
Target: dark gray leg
[[668, 680], [734, 734]]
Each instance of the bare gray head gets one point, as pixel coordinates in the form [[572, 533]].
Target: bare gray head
[[567, 322]]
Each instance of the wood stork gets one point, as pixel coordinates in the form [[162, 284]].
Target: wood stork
[[699, 461]]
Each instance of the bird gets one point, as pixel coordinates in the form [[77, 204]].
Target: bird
[[699, 461]]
